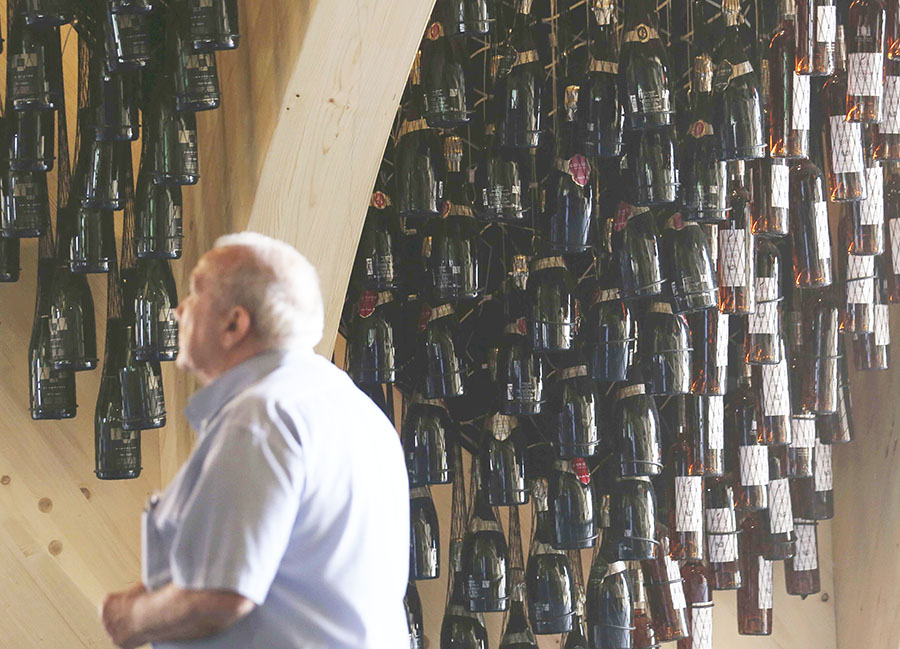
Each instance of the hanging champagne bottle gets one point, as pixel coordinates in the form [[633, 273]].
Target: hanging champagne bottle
[[520, 372], [788, 91], [804, 37], [97, 172], [770, 197], [801, 572], [610, 336], [754, 597], [424, 538], [665, 592], [637, 421], [686, 517], [412, 603], [548, 575], [871, 351], [73, 332], [704, 177], [143, 399], [517, 633], [158, 230], [170, 137], [43, 14], [553, 310], [635, 243], [575, 639], [862, 223], [892, 31], [52, 391], [699, 596], [27, 209], [865, 61], [570, 194], [632, 536], [737, 108], [810, 233], [601, 115], [498, 180], [195, 73], [644, 633], [887, 133], [644, 69], [117, 451], [484, 559], [665, 350], [132, 6], [858, 310], [442, 366], [608, 608], [31, 140], [748, 457], [501, 462], [821, 36], [571, 413], [844, 162], [419, 170], [214, 25], [443, 75], [737, 256], [114, 105], [571, 502], [34, 68], [690, 269], [376, 267], [780, 542], [707, 415], [722, 535], [370, 345], [128, 44], [652, 163], [762, 343], [9, 260], [519, 83], [428, 436]]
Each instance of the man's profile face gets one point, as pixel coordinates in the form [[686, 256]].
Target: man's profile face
[[199, 321]]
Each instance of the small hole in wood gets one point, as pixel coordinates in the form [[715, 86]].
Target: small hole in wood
[[45, 505], [55, 547], [5, 480], [86, 492], [825, 597]]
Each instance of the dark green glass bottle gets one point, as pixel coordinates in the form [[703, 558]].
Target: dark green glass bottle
[[413, 605], [601, 115], [131, 6], [143, 400], [158, 231], [52, 391], [419, 160], [152, 300], [9, 260], [377, 264], [89, 237], [170, 139], [33, 68], [97, 171], [443, 76], [608, 610], [128, 42], [117, 452], [485, 556], [214, 25], [42, 14], [425, 536], [738, 113], [115, 105], [27, 210], [644, 69], [195, 73], [32, 138], [519, 84], [371, 355], [70, 308]]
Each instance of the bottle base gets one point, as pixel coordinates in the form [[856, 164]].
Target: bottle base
[[489, 604], [78, 365], [35, 166], [115, 475], [144, 424], [116, 134], [175, 180], [47, 414]]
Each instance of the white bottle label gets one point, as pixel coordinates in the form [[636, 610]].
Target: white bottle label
[[872, 208], [701, 627], [780, 184], [765, 583], [823, 232], [803, 430], [865, 74], [765, 319], [781, 517], [776, 401], [800, 104], [721, 520], [733, 257], [721, 537], [846, 145], [754, 467], [822, 473], [894, 227], [689, 503], [673, 572], [882, 325], [890, 116], [722, 326], [826, 24], [715, 434], [860, 279], [807, 554]]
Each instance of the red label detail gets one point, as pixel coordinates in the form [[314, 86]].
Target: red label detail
[[579, 169], [677, 221], [379, 200], [581, 470], [368, 300], [522, 326], [446, 210], [623, 212], [698, 129], [424, 317], [435, 31]]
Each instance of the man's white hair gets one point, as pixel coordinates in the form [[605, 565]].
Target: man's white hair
[[278, 287]]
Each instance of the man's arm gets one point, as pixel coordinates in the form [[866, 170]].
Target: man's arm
[[170, 614]]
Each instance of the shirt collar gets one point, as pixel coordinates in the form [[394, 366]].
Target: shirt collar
[[212, 398]]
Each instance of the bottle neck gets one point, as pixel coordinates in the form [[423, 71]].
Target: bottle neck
[[604, 42], [702, 75], [641, 12]]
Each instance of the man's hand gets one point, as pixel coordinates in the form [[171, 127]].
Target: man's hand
[[117, 613]]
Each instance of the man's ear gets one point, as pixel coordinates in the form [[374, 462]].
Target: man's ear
[[238, 325]]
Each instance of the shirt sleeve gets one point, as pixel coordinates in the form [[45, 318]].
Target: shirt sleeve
[[235, 525]]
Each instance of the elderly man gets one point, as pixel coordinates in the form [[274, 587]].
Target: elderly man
[[288, 526]]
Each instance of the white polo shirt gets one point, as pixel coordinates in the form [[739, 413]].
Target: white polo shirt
[[296, 497]]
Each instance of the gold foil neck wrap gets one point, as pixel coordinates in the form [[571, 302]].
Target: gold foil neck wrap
[[610, 67], [415, 125], [549, 262], [415, 73], [630, 391], [660, 307], [501, 426], [384, 297], [572, 96], [731, 11], [524, 6], [440, 312], [703, 73], [526, 57], [604, 12], [572, 372], [453, 152]]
